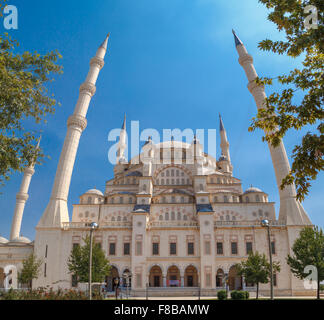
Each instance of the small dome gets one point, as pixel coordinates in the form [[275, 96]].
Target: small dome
[[23, 240], [94, 191], [253, 189], [3, 240]]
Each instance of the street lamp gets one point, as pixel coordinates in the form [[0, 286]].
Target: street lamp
[[93, 226], [266, 224]]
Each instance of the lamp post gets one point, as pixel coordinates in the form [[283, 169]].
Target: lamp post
[[93, 226], [266, 224]]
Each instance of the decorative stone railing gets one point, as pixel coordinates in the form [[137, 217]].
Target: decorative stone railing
[[167, 224], [86, 225], [247, 223]]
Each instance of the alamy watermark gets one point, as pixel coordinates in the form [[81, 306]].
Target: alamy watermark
[[179, 145], [311, 21], [10, 17]]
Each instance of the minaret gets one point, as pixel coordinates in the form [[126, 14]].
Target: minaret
[[224, 144], [21, 198], [291, 211], [122, 144], [57, 211]]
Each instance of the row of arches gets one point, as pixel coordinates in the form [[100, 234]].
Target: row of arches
[[173, 278]]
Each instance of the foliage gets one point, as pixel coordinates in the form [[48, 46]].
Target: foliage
[[239, 295], [78, 262], [256, 269], [282, 112], [47, 294], [308, 250], [30, 269], [222, 295], [24, 98]]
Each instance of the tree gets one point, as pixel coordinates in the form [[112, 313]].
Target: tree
[[78, 262], [23, 97], [308, 251], [256, 269], [300, 101], [30, 270]]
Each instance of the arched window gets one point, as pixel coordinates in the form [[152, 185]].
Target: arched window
[[113, 219], [173, 199], [227, 217], [144, 187], [112, 200], [130, 200], [162, 182], [215, 199], [163, 200], [119, 218], [185, 218], [247, 199], [260, 213], [125, 219], [257, 198], [121, 200], [182, 181], [172, 216], [201, 187], [179, 216], [167, 216], [182, 199], [225, 199], [89, 200], [160, 217], [168, 173], [87, 214]]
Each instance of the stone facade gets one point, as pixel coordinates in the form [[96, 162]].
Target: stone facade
[[174, 217]]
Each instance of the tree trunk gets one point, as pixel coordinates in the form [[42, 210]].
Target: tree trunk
[[257, 293]]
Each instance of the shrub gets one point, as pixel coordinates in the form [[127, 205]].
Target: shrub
[[222, 295], [239, 295]]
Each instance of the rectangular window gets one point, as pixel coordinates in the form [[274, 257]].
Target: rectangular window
[[207, 247], [234, 247], [138, 280], [274, 280], [273, 247], [173, 248], [208, 280], [138, 248], [112, 248], [248, 247], [74, 281], [219, 247], [126, 249], [191, 248], [155, 249]]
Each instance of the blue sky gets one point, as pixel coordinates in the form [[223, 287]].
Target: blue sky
[[171, 64]]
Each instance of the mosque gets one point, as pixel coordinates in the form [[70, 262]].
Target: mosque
[[174, 217]]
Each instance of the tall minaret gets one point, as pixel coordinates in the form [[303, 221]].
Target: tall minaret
[[122, 144], [57, 211], [21, 198], [225, 144], [291, 211]]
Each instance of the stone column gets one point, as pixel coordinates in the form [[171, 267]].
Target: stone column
[[164, 281]]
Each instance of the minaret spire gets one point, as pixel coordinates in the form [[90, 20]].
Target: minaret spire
[[56, 212], [122, 143], [225, 145], [21, 198], [291, 211]]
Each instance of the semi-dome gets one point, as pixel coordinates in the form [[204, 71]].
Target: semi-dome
[[95, 191], [23, 240], [3, 240], [253, 189]]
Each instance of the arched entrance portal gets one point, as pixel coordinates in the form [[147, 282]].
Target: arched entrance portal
[[220, 278], [234, 280], [156, 277], [191, 277], [110, 280], [2, 278], [173, 277]]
